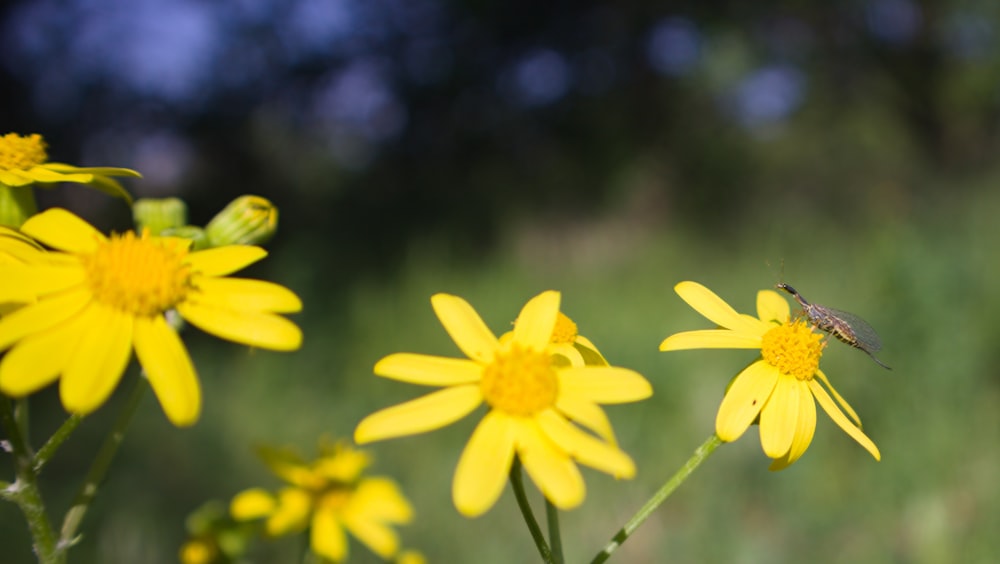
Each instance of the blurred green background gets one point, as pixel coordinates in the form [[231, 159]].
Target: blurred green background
[[609, 151]]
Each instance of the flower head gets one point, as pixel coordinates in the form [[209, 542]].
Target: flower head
[[24, 161], [95, 298], [329, 496], [534, 396], [779, 388]]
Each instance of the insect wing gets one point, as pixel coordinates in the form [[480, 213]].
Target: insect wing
[[865, 336]]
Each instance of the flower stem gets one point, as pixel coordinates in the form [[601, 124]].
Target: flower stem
[[555, 539], [700, 454], [517, 484], [24, 491], [100, 466], [55, 441]]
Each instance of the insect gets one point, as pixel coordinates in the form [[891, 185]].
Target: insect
[[846, 327]]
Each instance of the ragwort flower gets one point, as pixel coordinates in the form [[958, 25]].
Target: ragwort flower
[[329, 496], [534, 395], [97, 298], [779, 388], [24, 162]]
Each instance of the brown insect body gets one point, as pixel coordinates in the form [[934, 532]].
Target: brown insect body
[[845, 327]]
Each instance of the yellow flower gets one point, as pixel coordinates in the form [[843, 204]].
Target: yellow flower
[[23, 161], [778, 388], [328, 496], [199, 551], [532, 397], [567, 342], [98, 297]]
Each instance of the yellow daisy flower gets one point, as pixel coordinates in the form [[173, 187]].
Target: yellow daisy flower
[[566, 341], [777, 389], [329, 496], [98, 297], [532, 397], [24, 161]]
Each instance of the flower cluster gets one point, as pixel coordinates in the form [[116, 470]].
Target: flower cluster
[[75, 303], [330, 496]]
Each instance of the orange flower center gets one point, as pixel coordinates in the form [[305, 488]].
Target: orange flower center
[[144, 276], [794, 349], [520, 381], [22, 153]]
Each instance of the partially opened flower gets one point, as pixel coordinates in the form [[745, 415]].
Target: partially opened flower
[[782, 387], [97, 298], [331, 497], [567, 342], [534, 396], [24, 162]]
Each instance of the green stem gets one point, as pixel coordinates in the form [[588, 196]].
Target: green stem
[[100, 466], [24, 491], [555, 538], [700, 454], [517, 484], [55, 441]]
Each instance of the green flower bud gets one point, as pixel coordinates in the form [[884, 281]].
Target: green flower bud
[[247, 220], [159, 215]]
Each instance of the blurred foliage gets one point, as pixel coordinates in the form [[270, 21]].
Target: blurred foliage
[[867, 178]]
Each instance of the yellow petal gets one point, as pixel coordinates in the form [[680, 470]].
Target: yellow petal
[[713, 308], [843, 403], [534, 325], [710, 339], [483, 467], [37, 317], [62, 230], [366, 527], [587, 414], [779, 417], [99, 360], [568, 351], [14, 178], [465, 327], [429, 370], [95, 170], [168, 369], [744, 400], [291, 513], [805, 429], [220, 261], [432, 411], [253, 503], [589, 352], [603, 384], [380, 499], [242, 294], [327, 537], [32, 280], [38, 359], [549, 466], [772, 307], [843, 422], [252, 328], [42, 174], [585, 448]]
